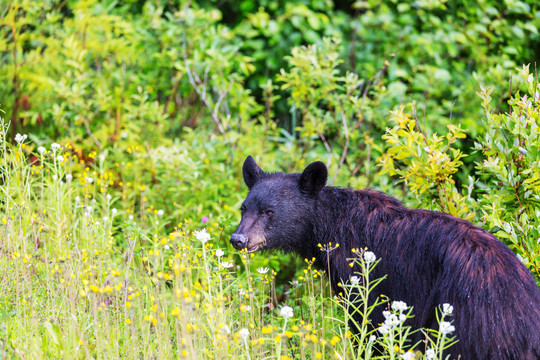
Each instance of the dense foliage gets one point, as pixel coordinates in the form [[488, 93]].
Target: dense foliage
[[156, 104]]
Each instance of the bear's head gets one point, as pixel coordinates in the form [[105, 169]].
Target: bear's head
[[279, 208]]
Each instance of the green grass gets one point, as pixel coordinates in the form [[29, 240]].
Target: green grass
[[81, 279]]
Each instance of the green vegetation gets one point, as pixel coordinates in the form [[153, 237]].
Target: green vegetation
[[128, 125]]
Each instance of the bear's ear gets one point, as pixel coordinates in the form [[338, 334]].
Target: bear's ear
[[252, 172], [313, 179]]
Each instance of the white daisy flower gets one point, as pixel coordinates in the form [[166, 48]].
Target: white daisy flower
[[263, 270], [227, 264]]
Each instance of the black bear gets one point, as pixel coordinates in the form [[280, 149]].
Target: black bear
[[430, 258]]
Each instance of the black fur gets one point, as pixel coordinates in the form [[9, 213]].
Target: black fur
[[430, 258]]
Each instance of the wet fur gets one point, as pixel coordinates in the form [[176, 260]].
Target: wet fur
[[430, 258]]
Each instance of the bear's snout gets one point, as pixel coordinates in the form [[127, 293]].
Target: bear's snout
[[239, 241]]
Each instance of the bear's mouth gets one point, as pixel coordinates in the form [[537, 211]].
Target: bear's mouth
[[255, 244], [251, 249], [255, 247]]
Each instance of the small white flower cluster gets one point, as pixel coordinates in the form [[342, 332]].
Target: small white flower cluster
[[244, 333], [355, 280], [88, 211], [393, 319], [447, 309], [369, 257], [430, 354], [400, 306], [203, 235], [409, 355], [220, 253], [446, 328], [262, 270], [286, 312], [20, 138], [225, 330]]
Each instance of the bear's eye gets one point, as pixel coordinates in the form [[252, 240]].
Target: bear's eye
[[269, 212], [243, 208]]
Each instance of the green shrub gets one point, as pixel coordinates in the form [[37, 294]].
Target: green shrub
[[333, 113], [510, 188], [506, 197], [101, 76]]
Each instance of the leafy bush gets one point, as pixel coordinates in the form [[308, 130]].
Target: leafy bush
[[506, 197], [438, 52], [334, 113], [101, 77], [510, 190], [427, 164]]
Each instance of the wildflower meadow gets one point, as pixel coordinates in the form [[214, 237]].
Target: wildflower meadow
[[83, 279]]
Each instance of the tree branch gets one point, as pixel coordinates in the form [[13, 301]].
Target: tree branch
[[202, 94]]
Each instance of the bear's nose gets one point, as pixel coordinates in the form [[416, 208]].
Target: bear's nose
[[239, 241]]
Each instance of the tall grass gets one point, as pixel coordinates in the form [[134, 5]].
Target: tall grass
[[80, 279]]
